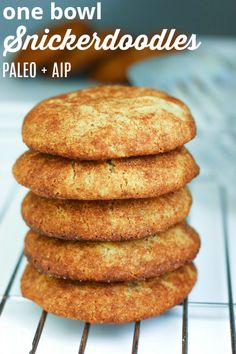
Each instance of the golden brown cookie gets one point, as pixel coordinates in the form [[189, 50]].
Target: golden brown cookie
[[113, 261], [113, 220], [137, 177], [108, 302], [106, 122]]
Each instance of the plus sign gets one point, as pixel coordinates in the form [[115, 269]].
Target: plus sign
[[44, 70]]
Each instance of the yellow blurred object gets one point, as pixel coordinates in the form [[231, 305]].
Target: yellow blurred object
[[47, 56], [108, 66], [115, 69], [83, 60]]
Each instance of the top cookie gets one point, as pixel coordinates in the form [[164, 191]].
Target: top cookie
[[108, 122]]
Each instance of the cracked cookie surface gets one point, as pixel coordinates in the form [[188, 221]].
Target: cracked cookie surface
[[108, 302], [113, 220], [113, 261], [107, 122], [137, 177]]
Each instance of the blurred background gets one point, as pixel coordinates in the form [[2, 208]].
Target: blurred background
[[203, 17], [206, 80]]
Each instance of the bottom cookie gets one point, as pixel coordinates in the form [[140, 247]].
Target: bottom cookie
[[108, 302]]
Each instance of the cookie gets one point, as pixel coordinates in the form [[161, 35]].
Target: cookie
[[87, 59], [82, 60], [113, 261], [107, 122], [108, 302], [113, 220], [137, 177], [115, 69]]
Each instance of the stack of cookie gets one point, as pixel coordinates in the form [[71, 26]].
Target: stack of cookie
[[107, 171]]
